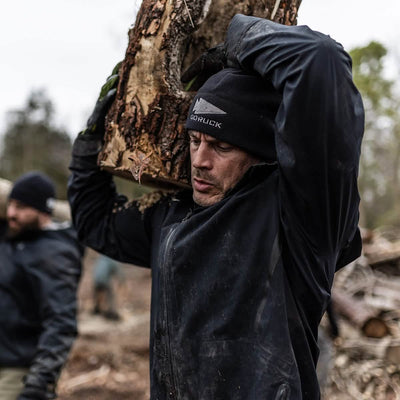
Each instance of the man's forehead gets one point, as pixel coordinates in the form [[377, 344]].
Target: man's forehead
[[20, 204], [205, 136], [16, 202]]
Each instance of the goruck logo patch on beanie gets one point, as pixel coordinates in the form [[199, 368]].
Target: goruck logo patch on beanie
[[204, 107], [238, 108]]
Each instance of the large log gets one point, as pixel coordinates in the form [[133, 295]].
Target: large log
[[145, 139]]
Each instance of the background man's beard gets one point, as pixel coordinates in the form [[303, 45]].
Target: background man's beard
[[22, 229]]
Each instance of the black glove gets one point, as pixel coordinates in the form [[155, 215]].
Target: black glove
[[33, 393], [95, 123], [209, 63]]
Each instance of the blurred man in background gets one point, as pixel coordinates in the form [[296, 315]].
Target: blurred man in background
[[39, 275]]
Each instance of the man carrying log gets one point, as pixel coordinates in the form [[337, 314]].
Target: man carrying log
[[40, 270], [242, 265]]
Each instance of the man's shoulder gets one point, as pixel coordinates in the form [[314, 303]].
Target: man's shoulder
[[57, 251], [59, 231], [62, 236]]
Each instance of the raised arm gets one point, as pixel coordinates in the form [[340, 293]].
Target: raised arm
[[319, 125], [102, 217]]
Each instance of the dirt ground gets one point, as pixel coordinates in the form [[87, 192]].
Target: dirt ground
[[110, 359]]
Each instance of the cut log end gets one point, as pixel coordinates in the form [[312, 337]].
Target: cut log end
[[375, 328]]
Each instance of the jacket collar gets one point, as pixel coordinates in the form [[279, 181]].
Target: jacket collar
[[254, 175]]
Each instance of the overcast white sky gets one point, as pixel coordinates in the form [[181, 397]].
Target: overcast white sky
[[68, 47]]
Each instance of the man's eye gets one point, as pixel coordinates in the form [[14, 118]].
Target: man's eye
[[223, 147], [194, 142]]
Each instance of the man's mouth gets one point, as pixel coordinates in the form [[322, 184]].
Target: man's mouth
[[201, 185], [13, 223]]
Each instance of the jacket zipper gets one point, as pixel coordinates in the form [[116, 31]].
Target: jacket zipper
[[167, 262]]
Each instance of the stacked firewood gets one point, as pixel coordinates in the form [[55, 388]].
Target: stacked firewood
[[366, 299]]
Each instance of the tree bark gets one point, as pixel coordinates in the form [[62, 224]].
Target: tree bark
[[145, 139]]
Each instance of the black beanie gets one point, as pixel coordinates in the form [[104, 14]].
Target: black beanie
[[35, 190], [238, 108]]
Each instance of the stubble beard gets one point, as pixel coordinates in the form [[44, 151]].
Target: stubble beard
[[22, 229], [212, 198]]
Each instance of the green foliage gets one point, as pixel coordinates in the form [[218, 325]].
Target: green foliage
[[32, 142], [368, 74], [380, 159]]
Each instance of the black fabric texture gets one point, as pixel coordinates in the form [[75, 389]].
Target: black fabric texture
[[239, 108], [36, 190], [32, 393]]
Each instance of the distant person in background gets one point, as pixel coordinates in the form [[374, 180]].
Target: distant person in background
[[103, 292], [39, 275]]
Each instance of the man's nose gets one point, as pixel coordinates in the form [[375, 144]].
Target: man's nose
[[202, 157], [10, 211]]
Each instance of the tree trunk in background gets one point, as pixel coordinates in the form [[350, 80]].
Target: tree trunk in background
[[145, 138]]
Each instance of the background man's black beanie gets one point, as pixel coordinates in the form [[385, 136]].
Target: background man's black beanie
[[35, 190], [238, 108]]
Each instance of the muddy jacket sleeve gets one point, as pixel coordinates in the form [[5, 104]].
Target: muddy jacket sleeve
[[102, 217], [319, 127]]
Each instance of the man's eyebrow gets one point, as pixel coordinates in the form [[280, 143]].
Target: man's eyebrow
[[208, 138], [193, 135], [215, 141]]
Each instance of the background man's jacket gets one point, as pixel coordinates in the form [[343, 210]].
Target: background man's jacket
[[39, 277], [239, 288]]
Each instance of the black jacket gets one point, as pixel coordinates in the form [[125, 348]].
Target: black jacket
[[39, 277], [239, 288]]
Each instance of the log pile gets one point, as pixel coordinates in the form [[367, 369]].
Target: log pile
[[367, 361]]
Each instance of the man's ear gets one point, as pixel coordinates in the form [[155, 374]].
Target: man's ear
[[44, 219]]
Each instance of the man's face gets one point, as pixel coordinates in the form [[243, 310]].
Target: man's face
[[216, 167], [21, 218]]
